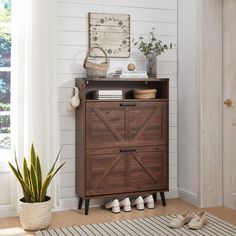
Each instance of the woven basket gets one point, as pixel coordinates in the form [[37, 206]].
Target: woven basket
[[93, 69], [35, 216], [144, 93]]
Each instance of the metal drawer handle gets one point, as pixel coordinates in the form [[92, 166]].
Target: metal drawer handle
[[128, 104], [127, 150]]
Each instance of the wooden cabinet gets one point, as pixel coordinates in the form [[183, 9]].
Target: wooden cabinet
[[121, 145]]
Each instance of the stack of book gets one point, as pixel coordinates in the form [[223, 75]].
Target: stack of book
[[129, 74], [108, 94]]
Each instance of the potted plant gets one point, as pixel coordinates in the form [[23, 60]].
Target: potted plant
[[151, 50], [35, 207]]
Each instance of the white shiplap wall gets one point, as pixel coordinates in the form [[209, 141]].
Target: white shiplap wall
[[72, 43]]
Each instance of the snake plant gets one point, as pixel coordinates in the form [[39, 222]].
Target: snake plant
[[31, 180]]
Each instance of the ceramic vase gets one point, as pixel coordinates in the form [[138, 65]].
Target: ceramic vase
[[151, 66]]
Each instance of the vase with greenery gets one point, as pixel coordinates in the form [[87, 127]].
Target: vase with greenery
[[35, 206], [151, 50]]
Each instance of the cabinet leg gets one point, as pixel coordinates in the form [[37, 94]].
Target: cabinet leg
[[154, 196], [86, 206], [163, 199], [80, 203]]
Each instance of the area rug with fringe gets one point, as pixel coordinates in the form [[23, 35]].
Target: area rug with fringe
[[142, 227]]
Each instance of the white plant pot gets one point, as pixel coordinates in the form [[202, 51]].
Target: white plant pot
[[35, 216]]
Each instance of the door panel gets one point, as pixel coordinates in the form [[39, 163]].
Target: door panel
[[126, 124], [111, 171], [148, 123], [229, 115], [147, 169], [105, 124], [105, 172]]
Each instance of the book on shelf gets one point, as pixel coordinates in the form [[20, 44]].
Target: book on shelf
[[108, 94], [129, 74]]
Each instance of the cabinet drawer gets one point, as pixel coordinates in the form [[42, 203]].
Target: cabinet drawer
[[104, 171], [133, 169], [114, 124]]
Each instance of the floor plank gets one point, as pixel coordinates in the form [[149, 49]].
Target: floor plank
[[11, 226]]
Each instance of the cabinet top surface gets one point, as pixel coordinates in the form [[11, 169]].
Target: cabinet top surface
[[123, 79]]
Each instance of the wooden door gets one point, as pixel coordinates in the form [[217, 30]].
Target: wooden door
[[147, 124], [229, 111], [105, 124], [146, 168], [113, 171], [117, 124], [104, 171]]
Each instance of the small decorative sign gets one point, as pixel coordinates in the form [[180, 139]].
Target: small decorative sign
[[111, 32]]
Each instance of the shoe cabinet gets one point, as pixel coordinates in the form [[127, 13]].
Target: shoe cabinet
[[121, 145]]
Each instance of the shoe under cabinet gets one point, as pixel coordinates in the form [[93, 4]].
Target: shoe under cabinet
[[122, 144]]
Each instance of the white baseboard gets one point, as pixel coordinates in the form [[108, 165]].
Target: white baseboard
[[72, 203], [8, 211], [188, 196]]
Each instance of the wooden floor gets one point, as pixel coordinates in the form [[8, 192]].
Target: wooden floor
[[11, 226]]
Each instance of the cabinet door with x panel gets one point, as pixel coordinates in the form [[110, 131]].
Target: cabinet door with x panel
[[118, 124], [114, 171], [126, 144]]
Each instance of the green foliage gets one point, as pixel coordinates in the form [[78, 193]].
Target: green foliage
[[5, 124], [4, 107], [33, 186], [5, 93], [153, 47], [5, 10], [5, 47]]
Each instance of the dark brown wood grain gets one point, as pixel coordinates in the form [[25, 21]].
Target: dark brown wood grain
[[122, 145]]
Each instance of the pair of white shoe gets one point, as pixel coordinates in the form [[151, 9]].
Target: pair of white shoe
[[195, 221], [139, 202]]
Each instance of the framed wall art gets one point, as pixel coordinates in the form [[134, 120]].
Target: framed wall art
[[111, 32]]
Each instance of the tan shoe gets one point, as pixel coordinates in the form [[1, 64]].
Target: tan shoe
[[180, 220], [198, 220]]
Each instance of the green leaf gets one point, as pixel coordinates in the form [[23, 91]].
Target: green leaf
[[47, 182], [33, 156], [52, 169], [39, 175], [26, 191], [17, 166], [45, 187], [34, 183], [26, 173]]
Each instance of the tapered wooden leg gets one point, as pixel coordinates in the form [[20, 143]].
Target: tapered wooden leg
[[86, 206], [154, 196], [163, 199], [80, 203]]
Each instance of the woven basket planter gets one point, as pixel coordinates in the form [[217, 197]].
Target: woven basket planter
[[93, 69], [35, 216]]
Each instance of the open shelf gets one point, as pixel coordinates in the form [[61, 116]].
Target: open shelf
[[126, 85]]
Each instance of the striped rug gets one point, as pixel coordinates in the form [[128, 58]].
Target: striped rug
[[144, 226]]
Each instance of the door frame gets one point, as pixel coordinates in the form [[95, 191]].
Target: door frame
[[210, 107]]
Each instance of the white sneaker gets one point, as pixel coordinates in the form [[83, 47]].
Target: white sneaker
[[125, 203], [149, 200], [198, 220], [139, 203], [180, 220], [114, 205]]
